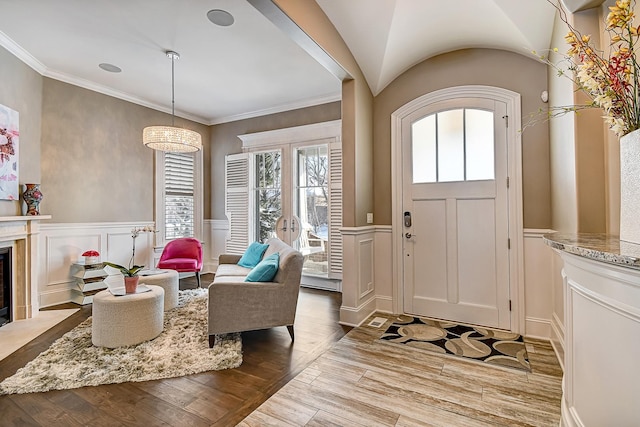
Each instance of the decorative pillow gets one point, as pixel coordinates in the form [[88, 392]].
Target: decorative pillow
[[253, 255], [266, 270]]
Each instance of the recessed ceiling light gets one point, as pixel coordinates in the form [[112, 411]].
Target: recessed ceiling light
[[220, 17], [110, 68]]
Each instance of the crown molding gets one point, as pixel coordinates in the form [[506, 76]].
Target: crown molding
[[43, 70], [279, 109], [86, 84], [17, 51]]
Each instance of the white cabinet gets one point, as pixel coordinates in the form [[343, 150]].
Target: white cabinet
[[602, 344]]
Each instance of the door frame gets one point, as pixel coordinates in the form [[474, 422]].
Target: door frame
[[514, 192]]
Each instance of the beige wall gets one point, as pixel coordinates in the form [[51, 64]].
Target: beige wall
[[564, 196], [584, 156], [224, 140], [21, 90], [507, 70], [357, 112], [94, 166]]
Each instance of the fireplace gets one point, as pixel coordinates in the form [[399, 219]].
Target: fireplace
[[5, 286]]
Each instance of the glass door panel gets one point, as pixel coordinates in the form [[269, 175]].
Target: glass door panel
[[268, 194], [311, 208]]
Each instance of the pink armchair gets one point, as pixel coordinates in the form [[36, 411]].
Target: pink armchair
[[182, 255]]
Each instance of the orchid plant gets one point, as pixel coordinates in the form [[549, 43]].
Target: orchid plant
[[610, 79], [133, 270]]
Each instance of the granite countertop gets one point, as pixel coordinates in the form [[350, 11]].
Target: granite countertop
[[599, 247]]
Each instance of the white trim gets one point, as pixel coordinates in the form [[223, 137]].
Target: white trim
[[536, 232], [557, 338], [538, 328], [356, 231], [355, 316], [278, 109], [40, 68], [516, 227], [292, 135], [16, 50]]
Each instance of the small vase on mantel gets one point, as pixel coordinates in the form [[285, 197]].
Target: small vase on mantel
[[630, 187], [32, 197]]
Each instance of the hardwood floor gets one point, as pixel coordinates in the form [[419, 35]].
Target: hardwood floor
[[218, 398], [320, 380], [363, 382]]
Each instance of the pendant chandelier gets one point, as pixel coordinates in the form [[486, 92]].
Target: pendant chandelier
[[171, 138]]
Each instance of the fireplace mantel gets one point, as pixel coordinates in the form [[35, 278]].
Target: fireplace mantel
[[21, 233]]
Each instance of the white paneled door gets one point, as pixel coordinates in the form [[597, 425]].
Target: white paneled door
[[456, 212]]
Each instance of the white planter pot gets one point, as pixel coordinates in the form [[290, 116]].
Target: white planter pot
[[630, 187]]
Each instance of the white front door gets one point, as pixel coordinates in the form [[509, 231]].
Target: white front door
[[456, 212]]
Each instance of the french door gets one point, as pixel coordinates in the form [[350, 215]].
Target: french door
[[291, 201], [292, 191]]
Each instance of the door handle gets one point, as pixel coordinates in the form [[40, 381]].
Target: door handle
[[409, 235], [284, 227], [293, 225]]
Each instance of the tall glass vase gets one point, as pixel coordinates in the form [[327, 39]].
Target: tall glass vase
[[630, 187], [32, 197]]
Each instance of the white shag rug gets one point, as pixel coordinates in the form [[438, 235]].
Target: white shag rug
[[181, 349]]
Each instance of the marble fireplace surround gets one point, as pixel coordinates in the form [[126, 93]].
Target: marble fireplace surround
[[20, 233]]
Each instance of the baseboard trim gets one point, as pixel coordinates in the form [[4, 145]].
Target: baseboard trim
[[557, 339], [58, 296], [538, 328], [384, 304], [355, 316]]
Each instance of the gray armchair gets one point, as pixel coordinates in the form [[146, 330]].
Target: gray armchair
[[237, 306]]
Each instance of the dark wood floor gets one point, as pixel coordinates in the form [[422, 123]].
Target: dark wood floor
[[218, 398]]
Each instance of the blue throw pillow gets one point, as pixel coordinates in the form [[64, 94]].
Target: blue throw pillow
[[253, 255], [266, 270]]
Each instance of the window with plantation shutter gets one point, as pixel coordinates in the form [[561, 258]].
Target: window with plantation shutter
[[179, 171], [335, 210], [237, 202], [179, 195]]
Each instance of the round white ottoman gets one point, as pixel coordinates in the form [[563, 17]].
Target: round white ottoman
[[169, 281], [128, 319]]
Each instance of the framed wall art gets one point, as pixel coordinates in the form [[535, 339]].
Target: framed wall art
[[9, 137]]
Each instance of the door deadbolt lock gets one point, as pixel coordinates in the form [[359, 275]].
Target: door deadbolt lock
[[407, 219]]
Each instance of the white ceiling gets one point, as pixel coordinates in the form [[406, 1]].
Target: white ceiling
[[251, 67], [395, 35]]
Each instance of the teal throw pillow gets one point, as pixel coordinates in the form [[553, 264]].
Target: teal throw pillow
[[266, 270], [253, 255]]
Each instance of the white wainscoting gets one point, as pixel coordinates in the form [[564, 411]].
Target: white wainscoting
[[383, 270], [538, 284], [602, 313], [215, 233], [358, 274], [62, 244]]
